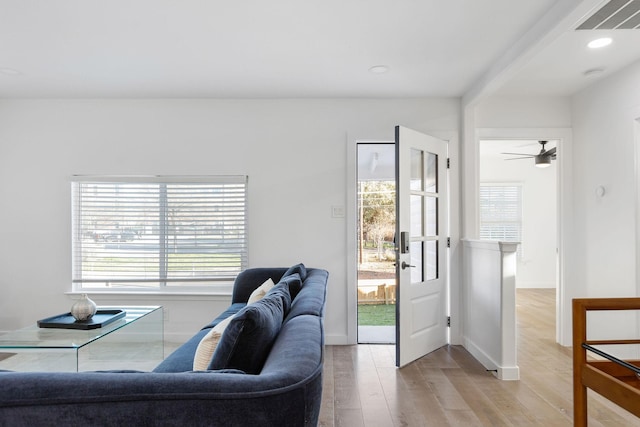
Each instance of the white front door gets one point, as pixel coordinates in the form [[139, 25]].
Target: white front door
[[421, 241]]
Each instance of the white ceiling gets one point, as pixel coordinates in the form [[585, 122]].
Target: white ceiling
[[294, 48]]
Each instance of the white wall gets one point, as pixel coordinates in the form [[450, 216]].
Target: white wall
[[605, 155], [601, 252], [514, 112], [294, 152], [537, 266]]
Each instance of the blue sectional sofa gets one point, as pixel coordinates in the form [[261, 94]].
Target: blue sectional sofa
[[285, 390]]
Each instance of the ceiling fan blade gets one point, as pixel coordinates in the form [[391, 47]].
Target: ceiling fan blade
[[520, 154], [550, 152], [519, 158]]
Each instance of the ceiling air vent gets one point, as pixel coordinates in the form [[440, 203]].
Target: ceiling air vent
[[615, 15]]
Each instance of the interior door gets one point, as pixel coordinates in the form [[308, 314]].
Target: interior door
[[421, 243]]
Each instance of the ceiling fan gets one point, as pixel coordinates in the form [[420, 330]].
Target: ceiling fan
[[542, 159]]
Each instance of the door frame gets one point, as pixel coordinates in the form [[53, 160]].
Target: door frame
[[455, 222], [564, 294], [635, 119]]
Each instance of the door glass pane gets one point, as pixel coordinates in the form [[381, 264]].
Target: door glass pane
[[416, 216], [417, 271], [417, 170], [432, 216], [431, 177], [432, 260]]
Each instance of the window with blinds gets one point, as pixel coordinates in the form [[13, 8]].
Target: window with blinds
[[158, 232], [501, 213]]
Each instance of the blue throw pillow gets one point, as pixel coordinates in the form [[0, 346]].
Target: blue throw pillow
[[298, 268], [293, 282], [281, 290], [247, 340]]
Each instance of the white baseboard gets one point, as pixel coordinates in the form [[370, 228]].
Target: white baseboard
[[511, 373], [336, 339], [508, 373]]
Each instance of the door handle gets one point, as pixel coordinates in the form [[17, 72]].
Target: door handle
[[405, 265]]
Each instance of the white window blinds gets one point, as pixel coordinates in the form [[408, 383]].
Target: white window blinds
[[501, 213], [158, 231]]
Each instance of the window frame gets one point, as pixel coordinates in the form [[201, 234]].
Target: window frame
[[221, 283]]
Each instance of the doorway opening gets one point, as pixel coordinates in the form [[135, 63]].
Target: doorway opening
[[519, 202], [376, 271]]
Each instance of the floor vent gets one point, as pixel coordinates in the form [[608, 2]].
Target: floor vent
[[615, 15]]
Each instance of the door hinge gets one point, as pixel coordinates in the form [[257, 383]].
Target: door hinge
[[448, 242], [448, 163], [448, 321]]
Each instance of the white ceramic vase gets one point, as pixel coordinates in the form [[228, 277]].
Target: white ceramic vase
[[84, 308]]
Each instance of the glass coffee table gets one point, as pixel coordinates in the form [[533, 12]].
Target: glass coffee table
[[135, 341]]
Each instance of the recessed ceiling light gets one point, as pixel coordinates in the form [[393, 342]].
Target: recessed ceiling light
[[593, 72], [598, 43], [379, 69], [10, 72]]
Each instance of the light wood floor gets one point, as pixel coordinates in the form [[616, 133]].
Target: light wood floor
[[362, 386]]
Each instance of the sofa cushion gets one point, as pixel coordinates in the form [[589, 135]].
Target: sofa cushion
[[298, 268], [247, 340], [310, 299], [208, 344], [261, 291], [293, 282], [181, 360]]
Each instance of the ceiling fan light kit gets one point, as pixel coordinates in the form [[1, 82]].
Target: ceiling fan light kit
[[543, 161]]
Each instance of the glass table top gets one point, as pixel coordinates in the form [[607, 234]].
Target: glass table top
[[34, 337]]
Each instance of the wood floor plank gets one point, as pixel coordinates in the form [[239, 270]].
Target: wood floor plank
[[471, 391], [410, 403], [327, 412], [372, 397]]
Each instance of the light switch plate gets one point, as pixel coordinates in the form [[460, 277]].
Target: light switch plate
[[337, 211]]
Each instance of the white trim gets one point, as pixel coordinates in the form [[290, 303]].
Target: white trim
[[168, 179], [635, 121], [352, 229], [564, 136], [455, 266], [506, 373], [338, 339], [351, 222]]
